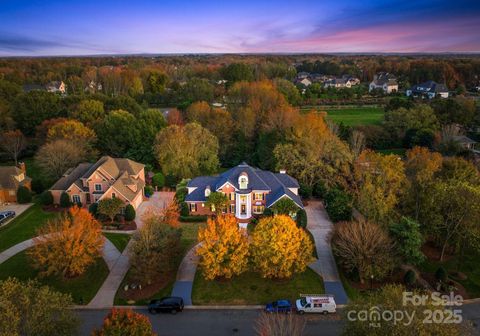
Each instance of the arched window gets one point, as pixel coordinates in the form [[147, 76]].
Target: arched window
[[243, 181]]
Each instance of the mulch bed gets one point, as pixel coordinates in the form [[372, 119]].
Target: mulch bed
[[125, 226], [147, 291], [53, 208]]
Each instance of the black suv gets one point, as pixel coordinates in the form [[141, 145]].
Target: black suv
[[169, 304]]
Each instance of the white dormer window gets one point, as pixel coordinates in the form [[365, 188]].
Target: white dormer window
[[207, 191], [243, 181]]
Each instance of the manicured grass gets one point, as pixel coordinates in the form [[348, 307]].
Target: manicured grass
[[189, 235], [24, 226], [468, 266], [356, 116], [82, 288], [250, 288], [120, 240], [396, 151]]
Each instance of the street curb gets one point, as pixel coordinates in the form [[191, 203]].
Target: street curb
[[192, 307]]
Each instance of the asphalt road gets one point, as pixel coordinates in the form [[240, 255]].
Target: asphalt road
[[211, 323]]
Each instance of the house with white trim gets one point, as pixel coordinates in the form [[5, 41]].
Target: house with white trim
[[107, 178], [384, 81], [250, 191]]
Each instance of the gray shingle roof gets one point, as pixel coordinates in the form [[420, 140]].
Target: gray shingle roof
[[276, 184]]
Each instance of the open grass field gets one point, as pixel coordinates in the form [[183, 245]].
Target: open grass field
[[82, 288], [24, 226], [356, 116], [250, 288]]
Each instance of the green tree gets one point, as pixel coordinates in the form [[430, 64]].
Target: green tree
[[289, 90], [89, 112], [236, 72], [284, 206], [24, 195], [408, 238], [130, 213], [46, 198], [338, 204], [198, 89], [217, 201], [65, 200], [110, 207], [118, 133], [419, 117], [31, 108], [29, 309], [186, 151], [158, 180]]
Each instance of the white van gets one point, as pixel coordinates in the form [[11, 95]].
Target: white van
[[312, 303]]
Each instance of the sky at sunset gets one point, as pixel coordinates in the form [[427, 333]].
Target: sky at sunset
[[72, 27]]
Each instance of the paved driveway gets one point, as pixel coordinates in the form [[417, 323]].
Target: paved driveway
[[157, 202], [320, 226], [18, 208]]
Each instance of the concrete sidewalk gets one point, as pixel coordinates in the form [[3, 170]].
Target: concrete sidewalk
[[320, 227]]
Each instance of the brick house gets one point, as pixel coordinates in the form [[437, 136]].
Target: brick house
[[249, 189], [108, 177], [11, 178]]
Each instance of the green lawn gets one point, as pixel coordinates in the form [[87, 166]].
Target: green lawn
[[250, 288], [188, 240], [469, 266], [356, 116], [24, 226], [82, 288], [396, 151], [120, 240]]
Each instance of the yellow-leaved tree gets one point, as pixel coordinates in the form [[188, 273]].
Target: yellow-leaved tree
[[68, 245], [279, 248], [224, 248]]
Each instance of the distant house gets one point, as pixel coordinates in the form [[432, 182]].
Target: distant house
[[56, 87], [11, 178], [465, 142], [250, 190], [384, 81], [429, 89], [93, 87], [304, 81], [107, 178], [302, 75]]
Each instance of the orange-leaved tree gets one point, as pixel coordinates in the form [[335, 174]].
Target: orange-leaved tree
[[171, 214], [67, 245], [224, 248], [279, 248], [125, 322]]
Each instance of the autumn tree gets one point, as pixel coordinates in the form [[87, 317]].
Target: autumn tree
[[171, 214], [13, 142], [363, 247], [314, 154], [29, 309], [110, 207], [56, 157], [76, 132], [68, 245], [186, 151], [125, 322], [389, 299], [379, 181], [154, 249], [280, 324], [218, 202], [420, 167], [89, 112], [223, 248], [175, 117], [279, 248]]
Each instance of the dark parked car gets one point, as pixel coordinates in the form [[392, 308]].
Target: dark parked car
[[280, 306], [4, 215], [169, 304]]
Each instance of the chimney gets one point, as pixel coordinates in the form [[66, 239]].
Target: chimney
[[22, 167], [283, 171]]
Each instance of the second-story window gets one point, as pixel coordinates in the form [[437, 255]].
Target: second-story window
[[98, 187], [114, 195]]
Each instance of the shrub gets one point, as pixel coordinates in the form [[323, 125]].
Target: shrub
[[46, 198], [158, 180], [23, 195], [301, 218], [125, 322], [38, 186], [79, 204], [410, 278], [184, 211], [148, 191], [93, 209], [338, 205], [193, 219], [181, 193], [441, 274], [65, 200], [268, 212], [130, 213], [284, 206]]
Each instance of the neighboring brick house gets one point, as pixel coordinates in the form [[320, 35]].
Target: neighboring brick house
[[11, 178], [249, 189], [108, 177]]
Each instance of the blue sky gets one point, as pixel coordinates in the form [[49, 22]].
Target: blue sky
[[108, 27]]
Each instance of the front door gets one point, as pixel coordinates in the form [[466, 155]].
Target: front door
[[243, 209], [88, 198]]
